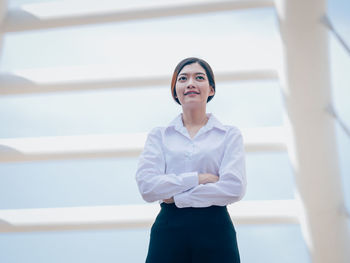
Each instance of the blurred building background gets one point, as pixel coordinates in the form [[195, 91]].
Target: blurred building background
[[82, 82]]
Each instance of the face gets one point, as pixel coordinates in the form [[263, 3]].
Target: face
[[192, 86]]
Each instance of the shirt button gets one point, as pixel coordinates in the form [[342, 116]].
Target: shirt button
[[192, 148]]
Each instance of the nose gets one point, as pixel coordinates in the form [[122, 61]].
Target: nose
[[190, 83]]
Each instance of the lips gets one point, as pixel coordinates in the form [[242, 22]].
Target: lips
[[191, 92]]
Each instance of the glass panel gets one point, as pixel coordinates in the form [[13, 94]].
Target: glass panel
[[269, 177], [256, 244], [68, 183], [112, 182], [133, 110], [272, 243], [145, 47], [80, 246]]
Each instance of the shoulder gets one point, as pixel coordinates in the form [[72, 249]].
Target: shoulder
[[156, 131], [233, 133], [227, 129], [233, 129], [154, 139], [160, 130], [156, 134]]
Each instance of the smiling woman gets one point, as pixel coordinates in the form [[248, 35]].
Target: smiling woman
[[193, 86], [194, 167], [202, 73]]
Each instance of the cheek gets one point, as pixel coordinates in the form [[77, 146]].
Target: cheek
[[205, 88], [179, 90]]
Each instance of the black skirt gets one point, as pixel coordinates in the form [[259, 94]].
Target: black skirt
[[181, 235]]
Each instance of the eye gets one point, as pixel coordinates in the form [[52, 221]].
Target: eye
[[200, 77], [182, 78]]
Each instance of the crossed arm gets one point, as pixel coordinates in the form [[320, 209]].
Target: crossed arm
[[192, 189], [202, 179]]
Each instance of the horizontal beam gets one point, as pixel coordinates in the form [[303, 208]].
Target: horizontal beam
[[134, 216], [111, 145], [50, 15], [12, 84]]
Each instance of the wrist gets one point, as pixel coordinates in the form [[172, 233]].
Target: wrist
[[200, 178]]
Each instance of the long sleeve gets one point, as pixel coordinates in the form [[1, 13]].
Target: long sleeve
[[151, 179], [231, 186]]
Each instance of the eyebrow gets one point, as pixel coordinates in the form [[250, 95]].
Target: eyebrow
[[197, 73]]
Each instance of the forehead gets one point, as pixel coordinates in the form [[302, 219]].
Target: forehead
[[192, 69]]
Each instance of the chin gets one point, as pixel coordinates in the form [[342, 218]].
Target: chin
[[193, 105]]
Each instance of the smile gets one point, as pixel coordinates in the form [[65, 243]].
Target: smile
[[191, 92]]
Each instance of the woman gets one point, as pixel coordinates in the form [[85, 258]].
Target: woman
[[194, 167]]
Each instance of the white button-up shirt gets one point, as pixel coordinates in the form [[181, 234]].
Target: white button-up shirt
[[171, 161]]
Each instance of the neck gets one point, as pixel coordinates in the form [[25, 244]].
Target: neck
[[194, 117]]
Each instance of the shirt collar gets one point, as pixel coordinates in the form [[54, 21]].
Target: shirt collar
[[213, 122]]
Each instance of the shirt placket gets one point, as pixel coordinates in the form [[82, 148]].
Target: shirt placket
[[190, 150]]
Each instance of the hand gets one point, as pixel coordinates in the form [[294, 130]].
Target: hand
[[169, 201], [207, 178]]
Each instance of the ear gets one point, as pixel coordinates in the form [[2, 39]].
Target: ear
[[212, 91]]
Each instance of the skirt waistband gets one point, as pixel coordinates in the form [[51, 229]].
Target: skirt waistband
[[193, 216], [172, 206]]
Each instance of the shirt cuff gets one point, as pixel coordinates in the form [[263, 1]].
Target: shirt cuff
[[190, 180], [182, 200]]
